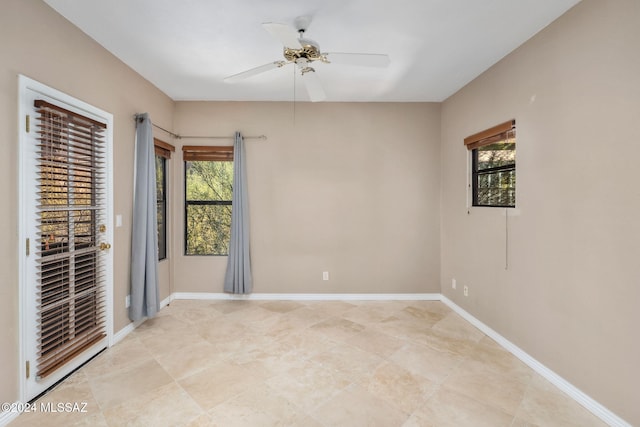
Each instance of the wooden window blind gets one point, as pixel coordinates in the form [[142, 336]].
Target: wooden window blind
[[71, 289], [163, 149], [192, 153], [489, 136]]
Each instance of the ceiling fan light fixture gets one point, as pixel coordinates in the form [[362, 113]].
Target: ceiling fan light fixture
[[306, 70]]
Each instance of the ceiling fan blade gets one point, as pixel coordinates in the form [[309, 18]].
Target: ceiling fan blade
[[362, 59], [286, 34], [314, 86], [254, 71]]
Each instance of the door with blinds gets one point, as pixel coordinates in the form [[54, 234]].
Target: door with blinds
[[67, 264]]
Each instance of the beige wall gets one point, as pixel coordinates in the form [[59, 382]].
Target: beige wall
[[39, 43], [349, 188], [329, 186], [571, 292]]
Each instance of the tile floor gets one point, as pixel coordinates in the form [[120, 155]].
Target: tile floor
[[290, 363]]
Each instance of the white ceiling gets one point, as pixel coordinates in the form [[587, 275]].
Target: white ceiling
[[187, 47]]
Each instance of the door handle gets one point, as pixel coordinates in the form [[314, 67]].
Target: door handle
[[104, 246]]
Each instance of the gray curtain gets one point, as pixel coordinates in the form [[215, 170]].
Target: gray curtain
[[238, 278], [144, 238]]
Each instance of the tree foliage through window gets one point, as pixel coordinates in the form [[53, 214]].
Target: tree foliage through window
[[494, 174], [161, 200], [208, 196]]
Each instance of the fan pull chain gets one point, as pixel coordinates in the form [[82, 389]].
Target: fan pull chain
[[294, 96], [506, 238]]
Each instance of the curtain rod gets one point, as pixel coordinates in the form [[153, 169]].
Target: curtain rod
[[264, 137], [176, 136]]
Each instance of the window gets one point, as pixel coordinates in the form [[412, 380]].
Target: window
[[161, 189], [493, 166], [163, 153], [208, 199]]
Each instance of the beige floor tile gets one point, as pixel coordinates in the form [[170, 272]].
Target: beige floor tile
[[336, 328], [227, 307], [303, 344], [331, 308], [285, 325], [391, 307], [203, 420], [517, 422], [305, 317], [308, 384], [371, 312], [399, 387], [376, 342], [193, 314], [500, 391], [225, 380], [190, 359], [171, 341], [350, 360], [426, 361], [215, 331], [419, 420], [42, 419], [443, 342], [121, 356], [312, 364], [79, 406], [255, 353], [448, 408], [257, 406], [497, 359], [435, 307], [404, 326], [252, 317], [168, 405], [160, 325], [112, 389], [545, 405], [281, 306], [455, 326], [229, 338], [424, 315], [355, 407]]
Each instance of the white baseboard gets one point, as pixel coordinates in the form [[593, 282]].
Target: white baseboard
[[572, 391], [306, 297], [122, 333], [7, 417], [119, 336]]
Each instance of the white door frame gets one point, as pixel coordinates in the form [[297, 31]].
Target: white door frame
[[26, 87]]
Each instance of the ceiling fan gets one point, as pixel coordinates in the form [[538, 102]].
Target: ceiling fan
[[302, 52]]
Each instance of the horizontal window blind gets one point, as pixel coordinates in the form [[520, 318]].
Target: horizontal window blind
[[71, 289], [207, 153], [163, 149], [492, 135]]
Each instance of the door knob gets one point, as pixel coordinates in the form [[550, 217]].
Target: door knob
[[104, 246]]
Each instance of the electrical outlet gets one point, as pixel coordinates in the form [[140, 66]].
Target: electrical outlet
[[127, 301], [466, 291], [453, 283], [325, 275]]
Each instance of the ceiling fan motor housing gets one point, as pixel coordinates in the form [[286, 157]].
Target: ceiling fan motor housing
[[310, 50]]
